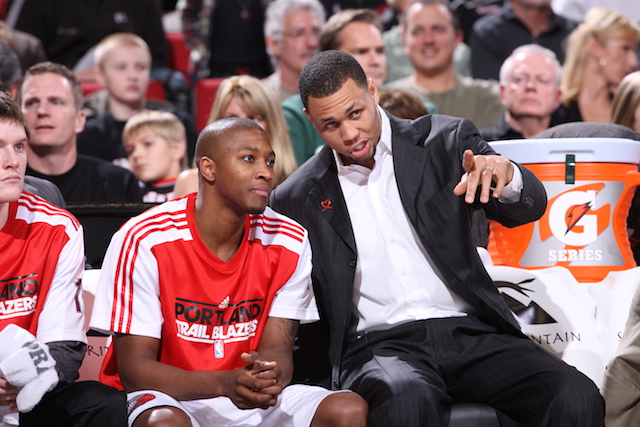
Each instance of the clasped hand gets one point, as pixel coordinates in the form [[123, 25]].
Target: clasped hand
[[8, 395], [256, 385], [484, 172]]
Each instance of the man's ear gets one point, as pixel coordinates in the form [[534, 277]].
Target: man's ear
[[207, 169], [459, 37], [558, 100], [308, 115], [373, 90], [81, 119], [502, 89], [273, 46]]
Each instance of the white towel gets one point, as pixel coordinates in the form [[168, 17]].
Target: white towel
[[26, 364], [13, 337]]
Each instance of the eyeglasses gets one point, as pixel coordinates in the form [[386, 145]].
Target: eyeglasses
[[302, 33], [523, 80]]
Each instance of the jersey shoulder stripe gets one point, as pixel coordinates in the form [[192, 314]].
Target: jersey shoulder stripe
[[32, 209], [174, 207], [272, 228], [162, 218], [160, 224]]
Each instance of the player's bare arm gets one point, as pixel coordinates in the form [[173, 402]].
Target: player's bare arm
[[486, 172], [277, 345], [140, 369]]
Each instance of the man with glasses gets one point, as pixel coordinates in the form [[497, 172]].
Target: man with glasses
[[529, 90], [291, 32], [357, 32]]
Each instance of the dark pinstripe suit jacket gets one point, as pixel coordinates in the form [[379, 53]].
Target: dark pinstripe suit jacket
[[427, 157]]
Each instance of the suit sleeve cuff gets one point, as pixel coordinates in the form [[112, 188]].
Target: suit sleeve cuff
[[511, 191]]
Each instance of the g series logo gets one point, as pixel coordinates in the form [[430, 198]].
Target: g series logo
[[576, 218]]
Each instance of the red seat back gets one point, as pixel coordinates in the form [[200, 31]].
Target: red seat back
[[178, 53], [204, 94]]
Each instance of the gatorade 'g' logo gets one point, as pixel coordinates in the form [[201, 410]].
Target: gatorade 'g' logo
[[583, 227], [574, 217], [570, 218]]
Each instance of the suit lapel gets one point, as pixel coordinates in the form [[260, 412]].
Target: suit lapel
[[410, 160], [328, 198]]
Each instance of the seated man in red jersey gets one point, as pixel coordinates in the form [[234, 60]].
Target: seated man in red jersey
[[204, 295], [42, 332]]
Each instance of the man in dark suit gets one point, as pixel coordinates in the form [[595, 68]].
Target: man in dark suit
[[414, 321]]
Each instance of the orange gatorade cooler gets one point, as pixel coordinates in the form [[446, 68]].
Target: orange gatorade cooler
[[590, 183]]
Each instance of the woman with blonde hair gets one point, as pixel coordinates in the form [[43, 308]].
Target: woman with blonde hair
[[601, 51], [248, 97], [625, 106]]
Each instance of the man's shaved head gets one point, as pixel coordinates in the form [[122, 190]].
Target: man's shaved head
[[216, 134]]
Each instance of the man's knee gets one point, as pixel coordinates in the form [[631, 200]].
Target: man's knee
[[406, 402], [579, 401], [164, 416], [568, 399], [404, 391], [342, 409], [107, 399], [81, 403]]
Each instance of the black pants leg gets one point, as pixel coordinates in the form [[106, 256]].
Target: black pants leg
[[85, 403], [409, 374]]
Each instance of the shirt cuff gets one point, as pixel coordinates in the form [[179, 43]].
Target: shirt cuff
[[511, 191]]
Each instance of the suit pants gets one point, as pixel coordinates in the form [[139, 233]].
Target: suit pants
[[84, 403], [411, 373]]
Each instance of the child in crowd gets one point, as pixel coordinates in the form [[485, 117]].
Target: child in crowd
[[156, 151], [124, 61]]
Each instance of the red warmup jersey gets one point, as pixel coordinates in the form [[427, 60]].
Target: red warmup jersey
[[41, 266], [160, 280]]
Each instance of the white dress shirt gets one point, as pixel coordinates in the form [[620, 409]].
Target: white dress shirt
[[395, 281]]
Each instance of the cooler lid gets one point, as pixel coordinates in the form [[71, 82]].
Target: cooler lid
[[554, 150]]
